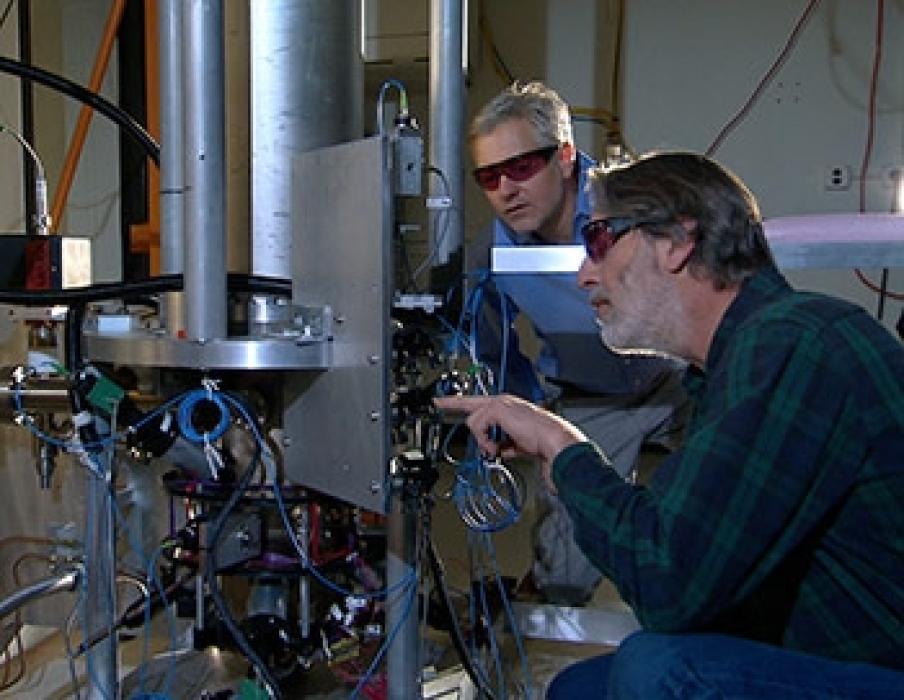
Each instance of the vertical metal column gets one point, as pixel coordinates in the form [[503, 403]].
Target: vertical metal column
[[403, 659], [205, 170], [172, 171], [99, 606], [306, 84], [446, 117]]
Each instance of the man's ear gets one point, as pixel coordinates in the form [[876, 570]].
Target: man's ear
[[674, 254], [567, 159]]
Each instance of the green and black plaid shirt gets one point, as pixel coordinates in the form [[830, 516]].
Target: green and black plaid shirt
[[782, 517]]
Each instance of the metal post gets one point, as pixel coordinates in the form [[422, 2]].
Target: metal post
[[205, 170], [304, 581], [99, 606], [306, 83], [446, 117], [404, 665], [172, 171]]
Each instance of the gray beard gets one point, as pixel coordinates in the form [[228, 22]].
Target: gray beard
[[628, 350]]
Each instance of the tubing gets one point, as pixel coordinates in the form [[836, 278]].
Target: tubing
[[55, 82], [65, 581]]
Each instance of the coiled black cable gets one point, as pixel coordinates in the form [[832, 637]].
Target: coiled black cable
[[56, 82], [439, 576], [235, 282]]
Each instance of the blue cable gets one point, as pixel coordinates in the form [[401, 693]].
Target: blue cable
[[387, 643], [510, 615], [187, 407], [154, 580], [290, 531], [90, 535], [491, 634], [78, 447]]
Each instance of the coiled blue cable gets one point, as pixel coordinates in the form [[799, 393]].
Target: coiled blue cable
[[187, 408]]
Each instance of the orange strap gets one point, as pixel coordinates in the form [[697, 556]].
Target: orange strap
[[84, 118]]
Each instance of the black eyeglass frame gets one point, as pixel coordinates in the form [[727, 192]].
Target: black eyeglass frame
[[504, 167], [613, 228]]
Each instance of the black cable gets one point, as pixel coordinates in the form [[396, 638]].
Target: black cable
[[235, 282], [134, 614], [26, 95], [439, 576], [85, 96], [72, 353], [96, 292], [241, 282]]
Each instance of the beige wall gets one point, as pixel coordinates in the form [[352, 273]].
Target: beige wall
[[12, 214], [690, 66], [687, 68]]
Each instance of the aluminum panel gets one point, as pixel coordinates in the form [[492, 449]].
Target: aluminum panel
[[797, 242], [337, 422]]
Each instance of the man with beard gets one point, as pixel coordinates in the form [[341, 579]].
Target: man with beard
[[763, 559]]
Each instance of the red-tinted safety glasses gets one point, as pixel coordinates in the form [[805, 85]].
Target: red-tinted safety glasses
[[601, 234], [518, 168]]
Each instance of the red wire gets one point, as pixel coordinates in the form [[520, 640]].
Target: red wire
[[870, 135], [770, 74]]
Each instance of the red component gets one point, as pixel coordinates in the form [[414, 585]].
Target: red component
[[38, 267]]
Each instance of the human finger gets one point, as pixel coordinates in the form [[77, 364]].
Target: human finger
[[460, 404]]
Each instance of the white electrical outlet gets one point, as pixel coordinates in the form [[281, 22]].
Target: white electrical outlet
[[837, 177]]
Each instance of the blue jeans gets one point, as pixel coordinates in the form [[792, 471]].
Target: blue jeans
[[649, 666]]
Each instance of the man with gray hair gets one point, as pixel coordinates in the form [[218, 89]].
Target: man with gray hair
[[534, 179], [763, 558]]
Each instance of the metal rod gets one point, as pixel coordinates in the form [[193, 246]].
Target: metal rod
[[304, 581], [60, 583], [172, 167], [205, 170], [404, 667], [446, 117], [99, 603]]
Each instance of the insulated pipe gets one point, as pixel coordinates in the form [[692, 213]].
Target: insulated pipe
[[446, 117], [172, 170], [205, 170], [61, 583], [306, 84]]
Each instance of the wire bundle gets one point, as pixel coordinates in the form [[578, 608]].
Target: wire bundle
[[487, 495]]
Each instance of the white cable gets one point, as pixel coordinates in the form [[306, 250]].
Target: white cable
[[43, 220]]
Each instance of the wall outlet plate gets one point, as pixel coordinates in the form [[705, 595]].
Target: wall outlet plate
[[837, 177]]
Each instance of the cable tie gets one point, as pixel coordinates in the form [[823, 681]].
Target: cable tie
[[81, 419]]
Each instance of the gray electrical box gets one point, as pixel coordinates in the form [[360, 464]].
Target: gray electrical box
[[407, 161]]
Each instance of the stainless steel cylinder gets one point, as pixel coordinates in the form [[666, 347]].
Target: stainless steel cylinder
[[446, 118], [205, 170], [306, 85], [172, 171]]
